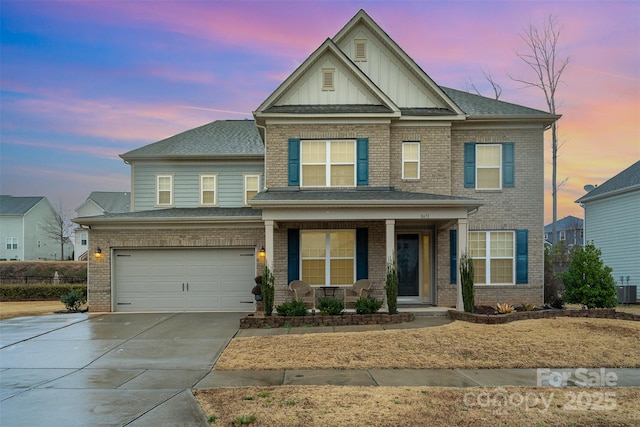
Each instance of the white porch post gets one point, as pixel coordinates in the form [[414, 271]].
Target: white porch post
[[463, 229], [268, 237], [391, 240]]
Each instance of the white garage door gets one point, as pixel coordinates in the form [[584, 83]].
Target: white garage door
[[184, 279]]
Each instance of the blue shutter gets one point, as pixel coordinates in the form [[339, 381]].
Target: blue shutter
[[508, 165], [362, 166], [294, 162], [362, 253], [469, 165], [522, 256], [293, 252], [453, 256]]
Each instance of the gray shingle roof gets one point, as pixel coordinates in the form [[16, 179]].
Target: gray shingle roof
[[111, 201], [566, 223], [219, 138], [176, 213], [480, 105], [627, 179], [10, 205]]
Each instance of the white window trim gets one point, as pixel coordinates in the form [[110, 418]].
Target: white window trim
[[499, 187], [215, 188], [11, 241], [171, 177], [356, 43], [327, 164], [326, 72], [404, 161], [246, 176], [562, 235], [488, 258], [327, 256]]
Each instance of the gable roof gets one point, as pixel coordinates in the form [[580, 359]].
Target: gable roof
[[10, 205], [222, 138], [476, 105], [567, 223], [627, 180], [110, 201]]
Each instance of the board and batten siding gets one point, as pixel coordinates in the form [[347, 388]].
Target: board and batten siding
[[186, 182], [613, 224]]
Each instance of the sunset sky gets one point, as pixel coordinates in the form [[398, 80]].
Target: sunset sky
[[82, 82]]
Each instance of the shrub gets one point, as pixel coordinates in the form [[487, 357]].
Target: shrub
[[588, 281], [292, 308], [268, 290], [330, 306], [392, 288], [504, 308], [73, 300], [552, 285], [37, 292], [528, 307], [367, 305], [466, 279]]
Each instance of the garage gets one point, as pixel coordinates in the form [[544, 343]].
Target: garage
[[217, 279]]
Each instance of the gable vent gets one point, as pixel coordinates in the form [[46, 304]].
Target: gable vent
[[327, 79], [360, 50]]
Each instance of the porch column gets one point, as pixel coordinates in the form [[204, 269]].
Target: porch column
[[463, 229], [268, 244], [391, 241]]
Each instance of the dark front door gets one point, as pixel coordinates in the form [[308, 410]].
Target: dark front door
[[408, 252]]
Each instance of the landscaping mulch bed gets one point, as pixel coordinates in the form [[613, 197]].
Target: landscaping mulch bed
[[488, 315]]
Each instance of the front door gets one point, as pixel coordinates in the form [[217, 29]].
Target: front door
[[408, 253]]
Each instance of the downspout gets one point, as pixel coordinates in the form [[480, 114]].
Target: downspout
[[264, 185]]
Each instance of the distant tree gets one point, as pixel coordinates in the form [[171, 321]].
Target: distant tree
[[543, 59], [497, 89], [59, 227]]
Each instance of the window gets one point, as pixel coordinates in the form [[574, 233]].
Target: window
[[328, 163], [327, 79], [489, 166], [563, 235], [164, 190], [488, 161], [493, 256], [251, 187], [12, 243], [360, 49], [411, 160], [83, 239], [328, 257], [208, 190], [546, 236]]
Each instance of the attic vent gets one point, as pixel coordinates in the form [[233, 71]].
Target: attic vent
[[360, 50], [327, 79]]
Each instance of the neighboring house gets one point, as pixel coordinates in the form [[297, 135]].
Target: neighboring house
[[612, 223], [98, 203], [569, 230], [23, 221], [357, 159]]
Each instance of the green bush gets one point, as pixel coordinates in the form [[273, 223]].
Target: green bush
[[37, 292], [392, 288], [73, 300], [367, 305], [588, 281], [268, 290], [292, 308], [330, 306], [466, 278]]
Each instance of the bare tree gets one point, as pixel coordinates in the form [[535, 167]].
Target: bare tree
[[543, 59], [497, 89], [59, 227]]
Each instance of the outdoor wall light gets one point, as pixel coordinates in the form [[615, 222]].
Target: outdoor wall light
[[262, 251], [98, 253]]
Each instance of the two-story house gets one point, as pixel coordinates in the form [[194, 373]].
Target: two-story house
[[98, 203], [24, 222], [569, 231], [361, 160]]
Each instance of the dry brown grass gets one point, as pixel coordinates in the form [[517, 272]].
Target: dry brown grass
[[417, 406], [553, 343], [10, 309]]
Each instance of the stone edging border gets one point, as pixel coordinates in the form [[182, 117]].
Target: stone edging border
[[251, 321], [603, 313]]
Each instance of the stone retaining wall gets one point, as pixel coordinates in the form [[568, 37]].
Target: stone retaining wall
[[603, 313], [275, 321]]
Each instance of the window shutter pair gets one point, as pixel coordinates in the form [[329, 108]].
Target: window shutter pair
[[508, 165], [362, 162], [362, 253]]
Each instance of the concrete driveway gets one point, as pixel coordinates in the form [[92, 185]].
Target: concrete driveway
[[108, 369]]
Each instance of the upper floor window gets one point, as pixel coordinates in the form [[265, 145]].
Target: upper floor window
[[328, 79], [251, 187], [164, 190], [563, 235], [493, 256], [489, 166], [328, 163], [83, 239], [360, 48], [411, 160], [208, 190], [12, 243], [328, 257]]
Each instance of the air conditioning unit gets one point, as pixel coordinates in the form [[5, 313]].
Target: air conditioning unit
[[627, 294]]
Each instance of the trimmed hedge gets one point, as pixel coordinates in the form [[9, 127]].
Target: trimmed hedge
[[37, 292]]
